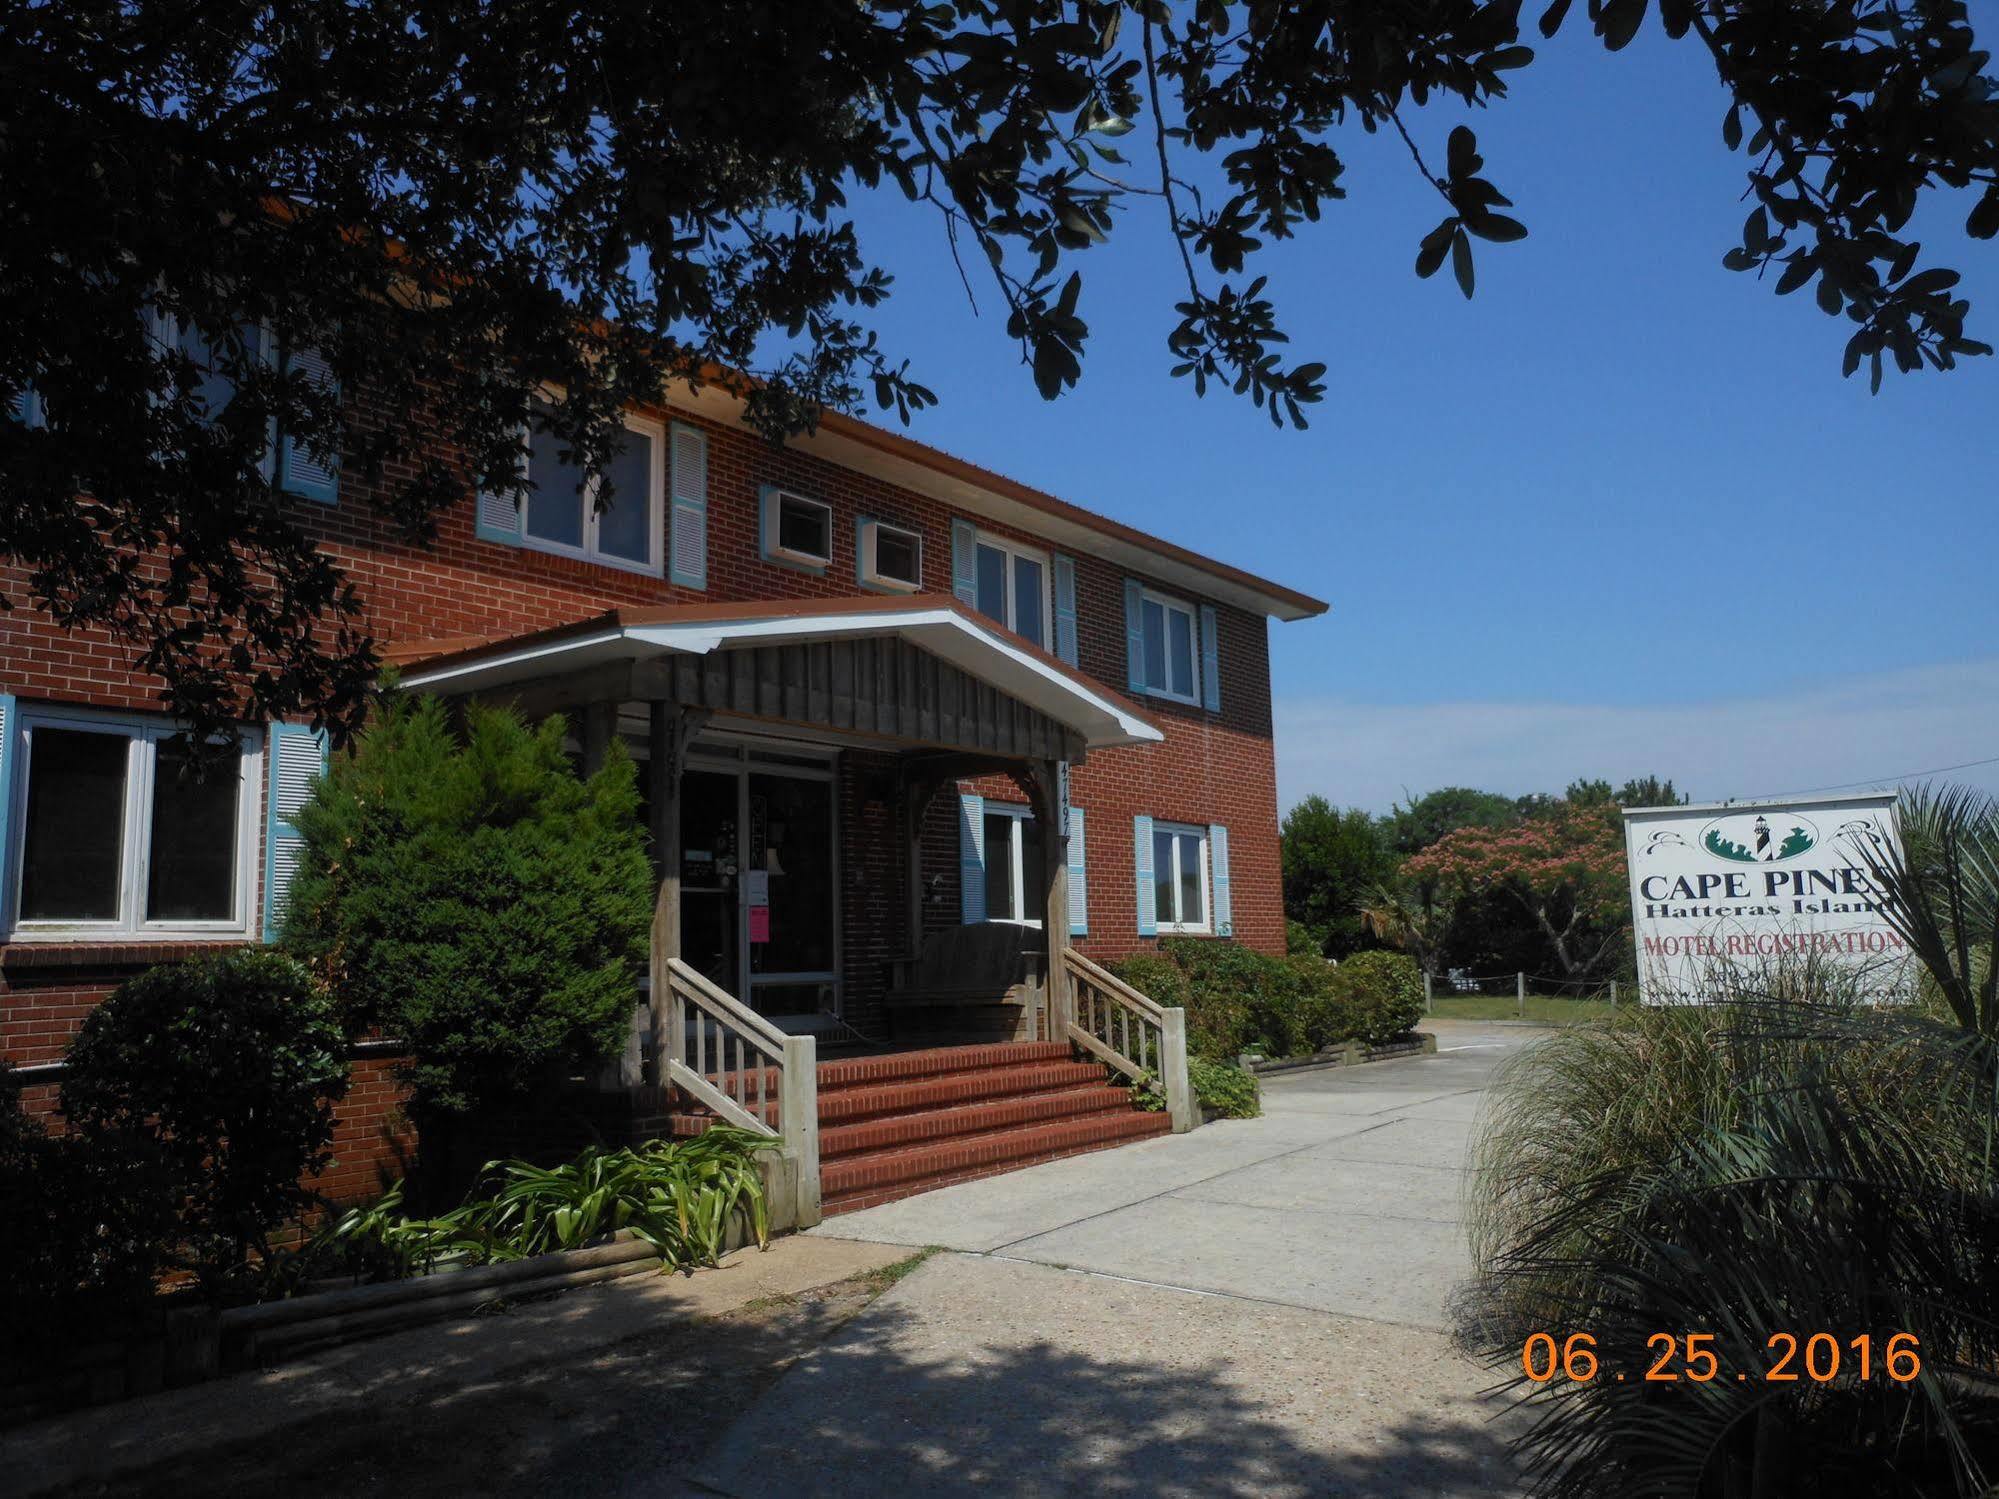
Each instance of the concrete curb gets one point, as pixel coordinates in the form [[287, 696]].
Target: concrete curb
[[1353, 1054]]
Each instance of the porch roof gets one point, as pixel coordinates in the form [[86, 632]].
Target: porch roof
[[936, 623]]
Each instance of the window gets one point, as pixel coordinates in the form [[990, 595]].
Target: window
[[562, 514], [1180, 877], [796, 529], [1013, 587], [891, 557], [1171, 659], [119, 833], [1016, 882]]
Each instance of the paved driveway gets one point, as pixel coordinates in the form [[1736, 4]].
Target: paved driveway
[[1255, 1308]]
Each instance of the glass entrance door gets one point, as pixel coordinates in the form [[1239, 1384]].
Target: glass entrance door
[[789, 894], [759, 879]]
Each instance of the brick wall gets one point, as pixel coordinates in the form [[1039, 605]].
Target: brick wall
[[1211, 768]]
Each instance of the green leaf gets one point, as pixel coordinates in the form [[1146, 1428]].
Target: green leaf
[[1618, 22], [1461, 154], [1497, 227], [1430, 254]]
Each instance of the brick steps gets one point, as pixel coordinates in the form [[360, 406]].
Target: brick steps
[[891, 1130], [877, 1176], [897, 1123]]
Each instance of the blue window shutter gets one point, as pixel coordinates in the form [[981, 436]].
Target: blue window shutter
[[965, 562], [1079, 900], [1134, 635], [9, 725], [1065, 609], [1218, 873], [28, 407], [298, 758], [687, 507], [971, 859], [501, 514], [1211, 661], [1141, 850], [299, 472]]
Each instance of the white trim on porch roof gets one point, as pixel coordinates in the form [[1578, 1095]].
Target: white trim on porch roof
[[946, 633]]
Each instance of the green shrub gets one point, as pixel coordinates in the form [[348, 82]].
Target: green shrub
[[226, 1069], [89, 1226], [1747, 1170], [1155, 976], [1387, 994], [1298, 939], [1327, 1013], [477, 900], [1239, 999], [1225, 1090]]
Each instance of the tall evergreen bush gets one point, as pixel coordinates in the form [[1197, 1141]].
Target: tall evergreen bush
[[473, 896]]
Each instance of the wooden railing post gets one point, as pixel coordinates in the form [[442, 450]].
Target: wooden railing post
[[798, 1118], [1173, 1069]]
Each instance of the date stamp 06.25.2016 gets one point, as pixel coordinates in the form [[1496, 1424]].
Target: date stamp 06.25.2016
[[1691, 1357]]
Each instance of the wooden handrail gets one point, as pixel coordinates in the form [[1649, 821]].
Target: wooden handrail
[[725, 1006], [1161, 1041], [1104, 979]]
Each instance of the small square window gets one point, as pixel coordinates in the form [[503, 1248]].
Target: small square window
[[891, 557], [796, 529]]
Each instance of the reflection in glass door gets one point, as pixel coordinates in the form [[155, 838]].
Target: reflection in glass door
[[759, 889], [789, 911]]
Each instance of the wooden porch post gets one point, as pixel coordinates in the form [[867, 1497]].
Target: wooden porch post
[[1048, 810], [670, 727]]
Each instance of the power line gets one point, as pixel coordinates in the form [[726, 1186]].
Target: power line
[[1908, 775]]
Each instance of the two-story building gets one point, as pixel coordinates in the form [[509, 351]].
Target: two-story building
[[876, 693]]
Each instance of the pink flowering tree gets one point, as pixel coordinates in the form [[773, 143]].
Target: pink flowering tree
[[1564, 868]]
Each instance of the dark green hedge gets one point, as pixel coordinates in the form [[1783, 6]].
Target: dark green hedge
[[1241, 1000]]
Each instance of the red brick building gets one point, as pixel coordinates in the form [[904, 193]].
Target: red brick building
[[1142, 667]]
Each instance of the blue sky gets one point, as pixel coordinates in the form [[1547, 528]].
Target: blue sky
[[1618, 514]]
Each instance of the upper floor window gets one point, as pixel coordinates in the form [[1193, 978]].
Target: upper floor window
[[1016, 882], [1013, 587], [891, 557], [1180, 877], [121, 831], [562, 514], [1171, 659], [796, 529]]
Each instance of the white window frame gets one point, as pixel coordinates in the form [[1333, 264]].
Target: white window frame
[[1018, 815], [773, 509], [1169, 606], [655, 564], [142, 735], [871, 574], [1014, 551], [168, 330], [1178, 830]]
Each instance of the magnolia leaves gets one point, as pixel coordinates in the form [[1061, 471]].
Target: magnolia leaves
[[1474, 198]]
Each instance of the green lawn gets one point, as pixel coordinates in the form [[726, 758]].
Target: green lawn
[[1546, 1008]]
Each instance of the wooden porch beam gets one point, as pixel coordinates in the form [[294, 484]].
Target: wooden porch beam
[[670, 729]]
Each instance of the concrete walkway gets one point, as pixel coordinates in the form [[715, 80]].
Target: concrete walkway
[[1256, 1308]]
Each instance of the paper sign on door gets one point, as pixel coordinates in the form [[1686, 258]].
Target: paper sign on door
[[759, 887], [759, 923]]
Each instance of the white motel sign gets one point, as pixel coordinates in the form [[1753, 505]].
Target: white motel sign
[[1746, 886]]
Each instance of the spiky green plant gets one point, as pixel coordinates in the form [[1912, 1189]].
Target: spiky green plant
[[1760, 1167], [1942, 889]]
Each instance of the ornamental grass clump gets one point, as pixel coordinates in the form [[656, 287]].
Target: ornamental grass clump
[[1755, 1170]]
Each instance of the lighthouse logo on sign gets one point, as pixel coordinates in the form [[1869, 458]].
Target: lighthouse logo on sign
[[1757, 839]]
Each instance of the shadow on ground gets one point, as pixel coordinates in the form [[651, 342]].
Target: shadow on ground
[[637, 1418]]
